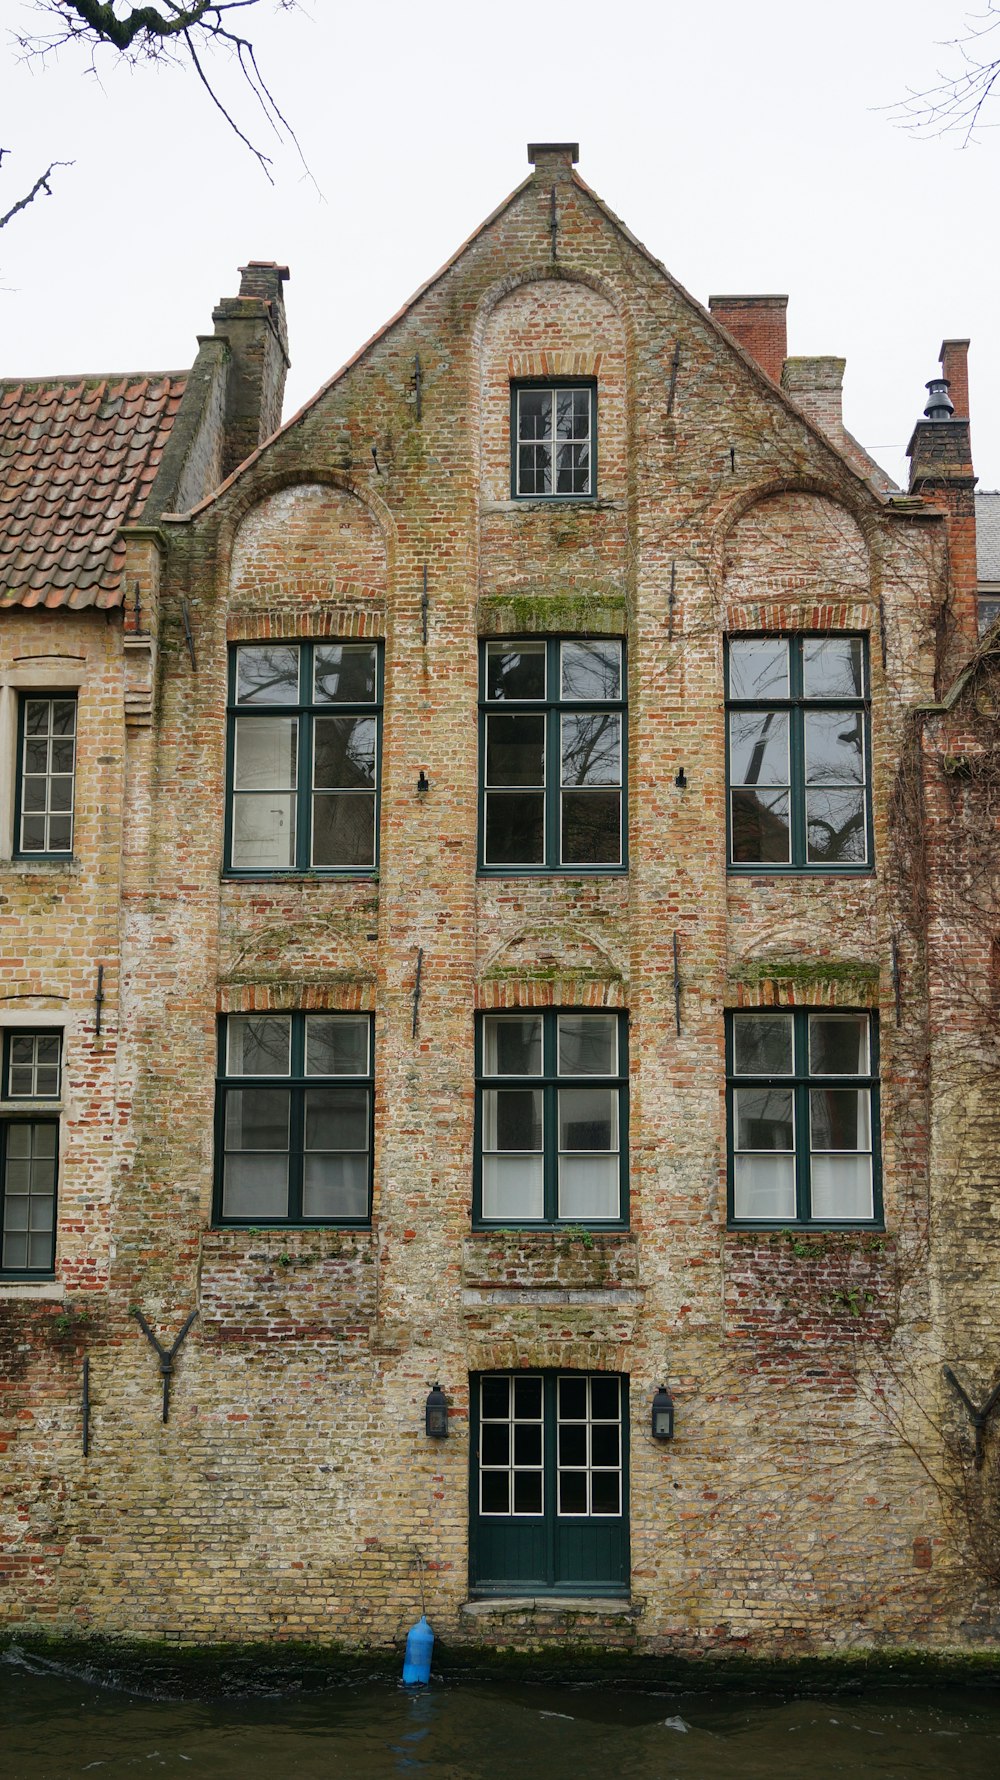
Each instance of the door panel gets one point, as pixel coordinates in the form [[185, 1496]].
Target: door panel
[[549, 1484]]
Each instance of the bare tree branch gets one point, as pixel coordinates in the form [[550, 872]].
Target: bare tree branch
[[41, 185], [955, 104]]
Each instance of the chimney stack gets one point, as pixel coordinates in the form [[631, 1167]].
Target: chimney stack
[[760, 326], [254, 328], [941, 473], [817, 385]]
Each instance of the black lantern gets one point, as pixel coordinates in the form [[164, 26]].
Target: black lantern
[[436, 1414], [663, 1415]]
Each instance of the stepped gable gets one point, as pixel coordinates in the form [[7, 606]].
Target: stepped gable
[[78, 456]]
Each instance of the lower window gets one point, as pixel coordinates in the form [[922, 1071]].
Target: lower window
[[803, 1118], [549, 1483], [30, 1070], [294, 1119], [551, 1119]]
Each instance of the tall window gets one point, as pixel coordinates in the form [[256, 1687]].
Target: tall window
[[798, 752], [553, 440], [803, 1118], [304, 733], [46, 773], [549, 1483], [294, 1119], [29, 1146], [552, 1119], [553, 755]]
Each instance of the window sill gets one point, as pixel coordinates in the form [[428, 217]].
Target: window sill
[[615, 1606], [552, 871], [800, 871], [335, 875], [50, 1291], [540, 503], [872, 1227], [46, 864]]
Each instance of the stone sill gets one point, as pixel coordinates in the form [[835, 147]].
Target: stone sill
[[599, 1606], [544, 1296], [44, 1291]]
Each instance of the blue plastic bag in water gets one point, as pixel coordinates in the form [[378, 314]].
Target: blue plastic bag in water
[[419, 1646]]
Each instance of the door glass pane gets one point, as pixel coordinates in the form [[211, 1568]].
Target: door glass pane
[[833, 667], [494, 1492], [336, 1045], [605, 1443], [762, 1044], [760, 828], [343, 828], [588, 1044], [515, 671], [764, 1187], [573, 1443], [605, 1398], [838, 1044], [267, 674], [527, 1492], [258, 1045], [842, 1187], [496, 1397], [572, 1492], [495, 1443], [758, 667], [572, 1399], [605, 1492], [528, 1443], [344, 673], [591, 672], [528, 1399], [512, 1046], [835, 827]]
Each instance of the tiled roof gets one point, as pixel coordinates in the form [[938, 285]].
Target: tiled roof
[[988, 534], [77, 460]]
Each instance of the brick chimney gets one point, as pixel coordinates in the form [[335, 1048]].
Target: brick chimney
[[941, 473], [817, 385], [760, 326], [254, 328]]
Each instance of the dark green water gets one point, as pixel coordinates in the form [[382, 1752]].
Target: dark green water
[[54, 1726]]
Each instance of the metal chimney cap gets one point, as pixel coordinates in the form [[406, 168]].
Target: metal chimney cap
[[939, 403]]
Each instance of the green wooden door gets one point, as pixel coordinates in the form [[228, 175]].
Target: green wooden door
[[549, 1483]]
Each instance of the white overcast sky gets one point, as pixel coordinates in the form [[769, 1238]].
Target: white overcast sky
[[746, 145]]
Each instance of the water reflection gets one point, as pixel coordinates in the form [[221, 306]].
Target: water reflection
[[57, 1726]]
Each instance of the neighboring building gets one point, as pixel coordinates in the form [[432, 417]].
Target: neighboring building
[[988, 556], [501, 896]]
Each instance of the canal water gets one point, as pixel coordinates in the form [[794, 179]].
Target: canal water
[[55, 1725]]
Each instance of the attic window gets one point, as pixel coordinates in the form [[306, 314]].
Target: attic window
[[553, 440]]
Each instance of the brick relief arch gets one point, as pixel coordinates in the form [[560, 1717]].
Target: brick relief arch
[[559, 328], [309, 542], [796, 559]]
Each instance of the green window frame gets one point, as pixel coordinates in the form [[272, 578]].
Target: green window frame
[[294, 1119], [803, 1118], [551, 1119], [798, 752], [30, 1070], [553, 756], [553, 439], [304, 738], [44, 813], [549, 1483]]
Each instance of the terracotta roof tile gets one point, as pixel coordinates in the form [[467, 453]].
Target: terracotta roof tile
[[78, 456]]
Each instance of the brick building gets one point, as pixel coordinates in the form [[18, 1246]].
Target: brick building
[[500, 893]]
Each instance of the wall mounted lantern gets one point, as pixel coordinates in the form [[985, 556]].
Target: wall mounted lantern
[[662, 1427], [436, 1414]]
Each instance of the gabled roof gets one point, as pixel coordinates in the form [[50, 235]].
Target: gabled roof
[[78, 456], [988, 534], [853, 455]]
